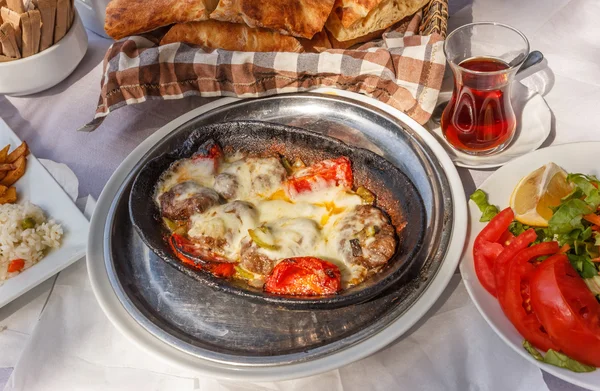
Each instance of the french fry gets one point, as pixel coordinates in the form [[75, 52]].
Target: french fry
[[9, 196], [4, 154], [7, 167], [14, 175], [3, 190], [22, 149]]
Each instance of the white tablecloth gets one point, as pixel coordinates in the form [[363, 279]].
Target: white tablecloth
[[566, 31]]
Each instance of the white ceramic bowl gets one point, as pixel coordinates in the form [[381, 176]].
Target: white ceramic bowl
[[47, 68]]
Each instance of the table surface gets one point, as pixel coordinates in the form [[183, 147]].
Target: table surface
[[566, 31]]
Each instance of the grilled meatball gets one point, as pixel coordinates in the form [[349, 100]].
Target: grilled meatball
[[221, 229], [366, 237], [186, 199], [251, 259]]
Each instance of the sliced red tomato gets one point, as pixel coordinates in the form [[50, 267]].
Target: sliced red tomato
[[306, 276], [506, 238], [16, 265], [210, 152], [515, 297], [486, 248], [568, 310], [185, 250], [503, 260], [327, 173]]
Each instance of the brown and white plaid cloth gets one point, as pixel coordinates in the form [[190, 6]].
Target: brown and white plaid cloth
[[403, 69]]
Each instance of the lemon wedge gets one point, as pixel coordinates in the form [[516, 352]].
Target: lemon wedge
[[537, 192]]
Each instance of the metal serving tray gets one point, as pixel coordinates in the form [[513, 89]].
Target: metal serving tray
[[226, 329]]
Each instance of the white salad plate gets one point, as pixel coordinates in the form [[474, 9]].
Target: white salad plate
[[534, 123], [123, 317], [576, 157], [40, 188]]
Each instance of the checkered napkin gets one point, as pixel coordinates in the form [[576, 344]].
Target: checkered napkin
[[403, 69]]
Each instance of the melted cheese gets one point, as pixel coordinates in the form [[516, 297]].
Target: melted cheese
[[277, 209], [230, 222], [334, 196], [201, 171], [257, 178], [315, 223]]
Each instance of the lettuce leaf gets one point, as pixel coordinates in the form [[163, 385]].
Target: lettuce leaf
[[488, 211], [586, 184], [584, 265], [568, 217], [557, 359]]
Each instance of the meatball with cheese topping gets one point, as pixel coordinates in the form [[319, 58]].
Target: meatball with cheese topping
[[186, 199], [250, 178], [365, 237], [221, 229], [277, 240]]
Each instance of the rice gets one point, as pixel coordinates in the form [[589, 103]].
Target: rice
[[19, 242]]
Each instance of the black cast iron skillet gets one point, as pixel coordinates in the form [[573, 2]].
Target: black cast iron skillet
[[395, 193]]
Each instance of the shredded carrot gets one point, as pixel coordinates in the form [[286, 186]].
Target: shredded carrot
[[592, 218], [564, 248], [595, 227], [595, 259]]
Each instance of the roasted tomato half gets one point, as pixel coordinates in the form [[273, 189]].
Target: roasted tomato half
[[305, 276], [327, 173], [209, 151]]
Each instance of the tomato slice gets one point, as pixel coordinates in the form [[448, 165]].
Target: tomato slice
[[327, 173], [503, 260], [506, 238], [567, 308], [486, 248], [188, 253], [306, 276], [515, 300]]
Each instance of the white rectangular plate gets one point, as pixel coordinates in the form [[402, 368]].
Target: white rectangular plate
[[38, 187]]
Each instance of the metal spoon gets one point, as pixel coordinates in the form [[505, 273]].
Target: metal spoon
[[533, 58]]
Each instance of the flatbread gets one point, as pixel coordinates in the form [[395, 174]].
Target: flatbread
[[31, 22], [61, 25], [348, 44], [7, 40], [4, 58], [299, 18], [381, 17], [319, 42], [213, 34], [47, 10], [14, 19], [130, 17], [16, 5], [351, 11]]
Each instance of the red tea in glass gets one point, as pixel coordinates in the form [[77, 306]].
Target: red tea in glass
[[479, 115], [479, 118]]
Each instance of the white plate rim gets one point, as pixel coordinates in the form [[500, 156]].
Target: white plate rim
[[49, 271], [530, 161], [135, 332]]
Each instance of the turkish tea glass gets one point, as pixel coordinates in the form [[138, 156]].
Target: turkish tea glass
[[484, 58]]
